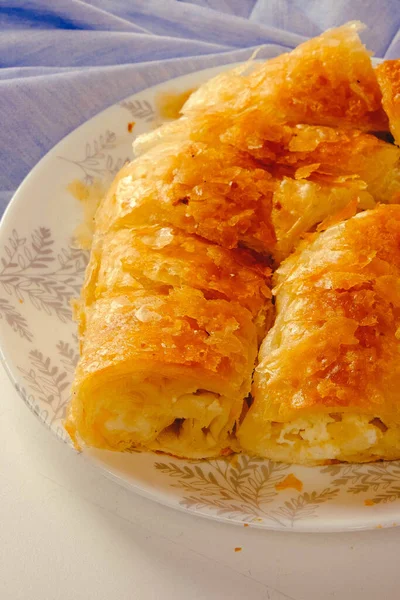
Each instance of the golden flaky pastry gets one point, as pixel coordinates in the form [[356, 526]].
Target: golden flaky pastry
[[328, 80], [327, 386], [175, 302], [177, 295], [157, 258], [218, 193], [315, 171], [166, 371]]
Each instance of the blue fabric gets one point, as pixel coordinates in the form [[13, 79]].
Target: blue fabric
[[62, 61]]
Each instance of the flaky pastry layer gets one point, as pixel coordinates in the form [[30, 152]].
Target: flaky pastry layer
[[334, 347]]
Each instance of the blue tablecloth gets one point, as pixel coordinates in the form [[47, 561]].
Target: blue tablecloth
[[62, 61]]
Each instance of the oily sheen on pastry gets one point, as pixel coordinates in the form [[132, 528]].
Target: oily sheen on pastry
[[169, 319], [177, 295], [327, 385]]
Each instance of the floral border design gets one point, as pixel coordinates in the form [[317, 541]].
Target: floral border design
[[379, 480], [242, 488], [140, 109], [49, 382], [98, 161], [32, 271]]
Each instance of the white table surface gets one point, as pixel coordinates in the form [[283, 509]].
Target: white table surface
[[67, 532]]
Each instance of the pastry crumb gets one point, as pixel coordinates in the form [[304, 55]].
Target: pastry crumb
[[290, 481]]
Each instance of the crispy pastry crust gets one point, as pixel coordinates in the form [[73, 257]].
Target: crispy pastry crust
[[327, 80], [149, 359], [177, 291], [338, 320]]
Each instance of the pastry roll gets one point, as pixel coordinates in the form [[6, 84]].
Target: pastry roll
[[159, 258], [322, 154], [164, 371], [318, 172], [388, 74], [216, 192], [315, 171], [169, 320], [328, 80], [327, 386], [300, 205]]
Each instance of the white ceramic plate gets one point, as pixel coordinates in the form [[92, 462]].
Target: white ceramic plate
[[39, 273]]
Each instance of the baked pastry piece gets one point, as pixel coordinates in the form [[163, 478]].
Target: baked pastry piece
[[300, 205], [300, 117], [169, 321], [165, 371], [217, 192], [318, 153], [388, 75], [327, 386], [328, 80], [314, 171], [158, 258]]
